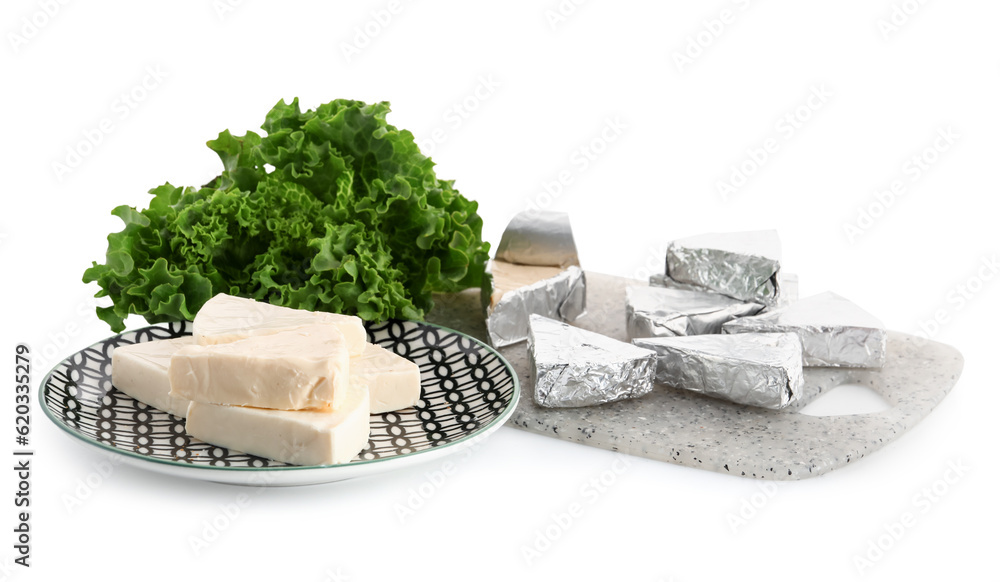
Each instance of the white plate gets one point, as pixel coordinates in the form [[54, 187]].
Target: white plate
[[469, 391]]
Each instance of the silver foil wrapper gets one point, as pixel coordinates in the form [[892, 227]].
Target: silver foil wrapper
[[788, 284], [666, 312], [833, 330], [754, 369], [576, 367], [538, 238], [659, 280], [562, 296], [742, 265]]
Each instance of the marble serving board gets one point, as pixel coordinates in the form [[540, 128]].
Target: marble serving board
[[682, 427]]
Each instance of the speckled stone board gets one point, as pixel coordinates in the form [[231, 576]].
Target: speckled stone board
[[682, 427]]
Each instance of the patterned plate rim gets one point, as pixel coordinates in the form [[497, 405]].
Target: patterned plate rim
[[495, 423]]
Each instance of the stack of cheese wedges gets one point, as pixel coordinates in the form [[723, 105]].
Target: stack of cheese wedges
[[290, 385]]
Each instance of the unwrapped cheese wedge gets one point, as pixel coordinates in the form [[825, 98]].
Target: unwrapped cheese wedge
[[225, 318], [140, 370], [299, 437], [300, 369], [393, 382]]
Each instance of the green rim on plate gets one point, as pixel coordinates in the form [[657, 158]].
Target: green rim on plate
[[468, 390]]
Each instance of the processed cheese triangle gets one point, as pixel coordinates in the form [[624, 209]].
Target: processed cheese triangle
[[300, 369], [507, 277], [393, 382], [140, 370], [300, 437], [225, 318]]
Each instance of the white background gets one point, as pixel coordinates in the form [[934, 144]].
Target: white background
[[891, 89]]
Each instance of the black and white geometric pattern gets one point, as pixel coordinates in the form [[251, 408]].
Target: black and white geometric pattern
[[465, 386]]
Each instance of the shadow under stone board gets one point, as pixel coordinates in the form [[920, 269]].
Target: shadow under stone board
[[689, 429]]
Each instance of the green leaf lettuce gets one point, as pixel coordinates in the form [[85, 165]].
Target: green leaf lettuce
[[331, 209]]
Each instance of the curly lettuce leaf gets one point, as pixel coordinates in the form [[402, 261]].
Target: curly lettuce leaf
[[332, 209]]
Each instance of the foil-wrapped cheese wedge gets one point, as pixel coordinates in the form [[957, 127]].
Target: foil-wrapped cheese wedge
[[512, 293], [535, 271], [540, 238], [576, 367], [742, 265], [788, 283], [833, 330], [758, 369], [666, 312]]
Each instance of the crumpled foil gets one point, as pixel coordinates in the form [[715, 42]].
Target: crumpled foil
[[759, 369], [661, 280], [538, 238], [742, 265], [576, 367], [788, 284], [666, 312], [563, 296], [833, 330]]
